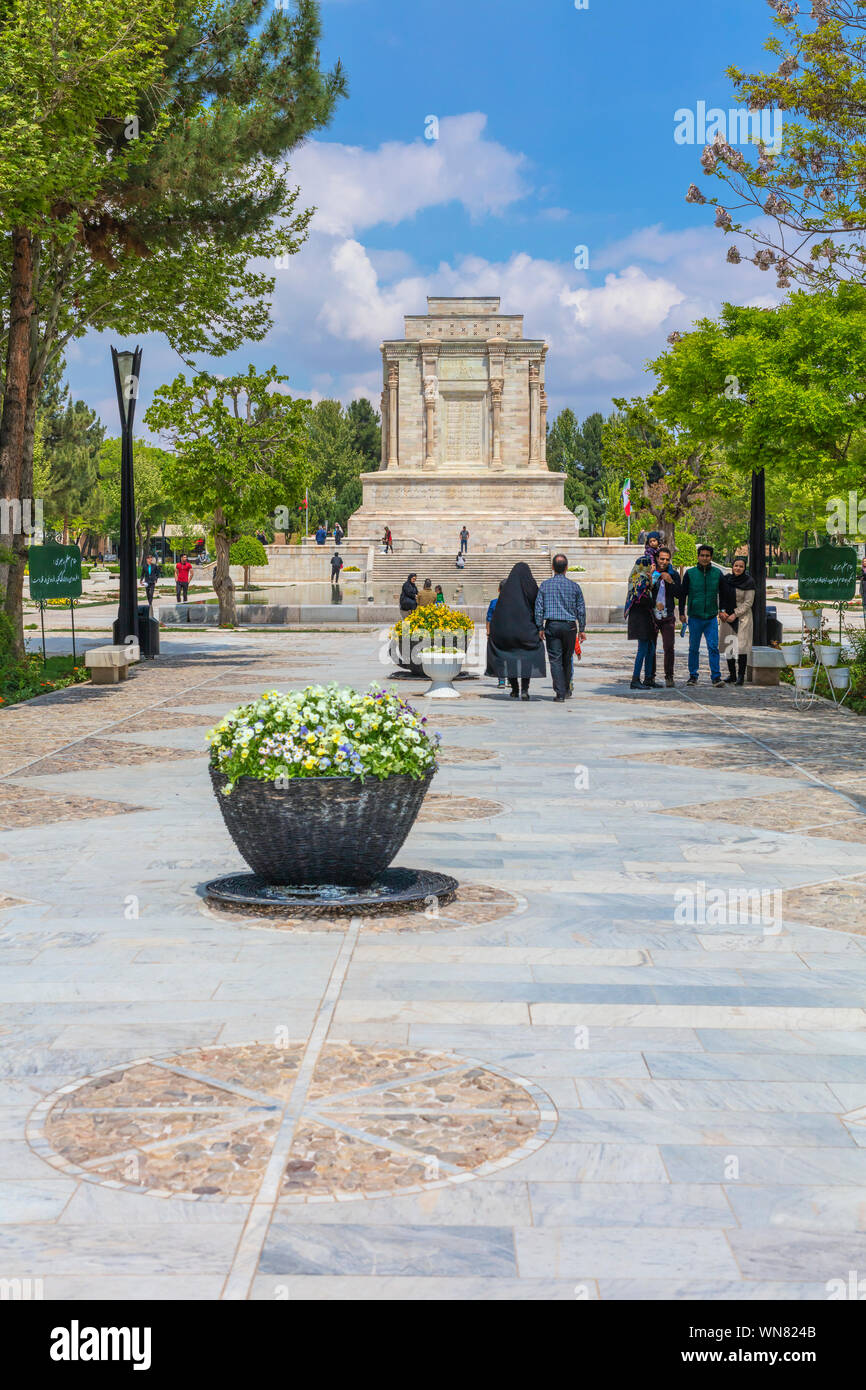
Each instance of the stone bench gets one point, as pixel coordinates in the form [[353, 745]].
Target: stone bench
[[765, 665], [109, 665]]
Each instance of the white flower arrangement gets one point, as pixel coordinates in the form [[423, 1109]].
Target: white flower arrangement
[[322, 731]]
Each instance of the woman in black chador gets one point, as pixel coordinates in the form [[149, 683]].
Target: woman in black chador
[[515, 651]]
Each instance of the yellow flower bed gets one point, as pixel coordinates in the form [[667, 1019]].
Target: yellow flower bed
[[432, 618]]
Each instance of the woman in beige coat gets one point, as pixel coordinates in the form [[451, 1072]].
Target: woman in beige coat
[[736, 598]]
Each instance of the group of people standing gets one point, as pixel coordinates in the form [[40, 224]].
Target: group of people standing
[[411, 597], [707, 594]]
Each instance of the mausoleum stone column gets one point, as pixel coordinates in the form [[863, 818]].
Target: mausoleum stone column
[[534, 410], [383, 403], [496, 348], [393, 384], [429, 364], [496, 395], [430, 397]]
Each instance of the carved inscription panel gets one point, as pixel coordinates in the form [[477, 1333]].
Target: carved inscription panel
[[463, 439]]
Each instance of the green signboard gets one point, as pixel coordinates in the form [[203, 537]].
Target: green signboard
[[55, 571], [827, 573]]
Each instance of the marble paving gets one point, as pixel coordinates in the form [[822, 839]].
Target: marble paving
[[628, 1061]]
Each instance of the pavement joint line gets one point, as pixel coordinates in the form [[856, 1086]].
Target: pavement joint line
[[813, 776], [242, 1272]]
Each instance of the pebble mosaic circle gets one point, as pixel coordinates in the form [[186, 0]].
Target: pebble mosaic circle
[[206, 1124]]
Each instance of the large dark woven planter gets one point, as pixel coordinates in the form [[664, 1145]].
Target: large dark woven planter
[[320, 829]]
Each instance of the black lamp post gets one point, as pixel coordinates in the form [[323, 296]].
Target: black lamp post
[[758, 555], [127, 366]]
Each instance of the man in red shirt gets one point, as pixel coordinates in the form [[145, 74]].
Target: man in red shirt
[[182, 576]]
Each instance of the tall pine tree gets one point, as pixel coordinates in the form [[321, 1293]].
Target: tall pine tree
[[187, 186]]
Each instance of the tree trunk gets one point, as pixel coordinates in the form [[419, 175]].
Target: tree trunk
[[13, 483], [222, 580]]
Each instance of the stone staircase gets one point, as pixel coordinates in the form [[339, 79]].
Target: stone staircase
[[484, 567]]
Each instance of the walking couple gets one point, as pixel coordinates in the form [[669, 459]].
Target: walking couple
[[524, 614]]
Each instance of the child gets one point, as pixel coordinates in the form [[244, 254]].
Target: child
[[491, 609]]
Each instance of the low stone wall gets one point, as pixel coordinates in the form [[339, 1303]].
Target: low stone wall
[[289, 615]]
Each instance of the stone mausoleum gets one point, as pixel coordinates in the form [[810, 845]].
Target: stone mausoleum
[[464, 421]]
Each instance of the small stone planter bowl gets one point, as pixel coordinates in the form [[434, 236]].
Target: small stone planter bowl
[[811, 621], [840, 677], [829, 653], [803, 677], [442, 664], [792, 652], [320, 830]]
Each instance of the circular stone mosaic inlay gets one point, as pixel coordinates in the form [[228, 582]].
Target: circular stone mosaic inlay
[[473, 905], [444, 806], [206, 1124]]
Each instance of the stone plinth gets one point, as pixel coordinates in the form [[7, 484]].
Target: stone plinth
[[428, 510]]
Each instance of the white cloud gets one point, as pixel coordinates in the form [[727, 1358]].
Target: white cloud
[[353, 188]]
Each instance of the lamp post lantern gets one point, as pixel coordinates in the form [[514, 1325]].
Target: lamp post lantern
[[127, 366]]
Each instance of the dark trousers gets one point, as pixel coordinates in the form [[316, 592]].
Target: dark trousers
[[560, 638], [181, 591], [667, 630], [464, 546], [148, 591], [522, 685], [335, 576]]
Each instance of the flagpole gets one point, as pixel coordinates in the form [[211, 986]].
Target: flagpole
[[307, 512]]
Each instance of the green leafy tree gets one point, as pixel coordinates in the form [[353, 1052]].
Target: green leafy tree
[[71, 445], [64, 70], [240, 450], [577, 451], [670, 466], [686, 551], [248, 551], [189, 188], [366, 433], [152, 504], [335, 463], [782, 389], [811, 192]]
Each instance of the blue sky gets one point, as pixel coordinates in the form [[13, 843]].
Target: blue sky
[[555, 130]]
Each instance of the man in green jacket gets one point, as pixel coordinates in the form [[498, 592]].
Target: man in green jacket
[[700, 587]]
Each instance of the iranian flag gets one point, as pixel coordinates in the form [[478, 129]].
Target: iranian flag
[[626, 497]]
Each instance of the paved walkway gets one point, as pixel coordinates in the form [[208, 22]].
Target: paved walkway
[[628, 1061]]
